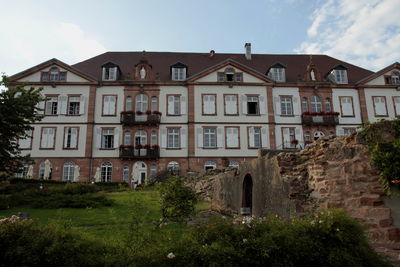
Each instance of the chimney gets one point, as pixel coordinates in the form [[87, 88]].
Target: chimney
[[247, 47]]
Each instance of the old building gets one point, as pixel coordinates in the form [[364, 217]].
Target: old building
[[126, 116]]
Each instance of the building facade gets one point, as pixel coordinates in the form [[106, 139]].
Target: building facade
[[128, 116]]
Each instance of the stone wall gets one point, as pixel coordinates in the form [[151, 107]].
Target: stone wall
[[330, 173]]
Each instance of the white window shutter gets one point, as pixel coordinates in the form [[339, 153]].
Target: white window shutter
[[184, 74], [104, 73], [40, 105], [171, 105], [286, 137], [244, 104], [66, 136], [264, 136], [183, 105], [98, 137], [105, 104], [173, 74], [44, 138], [262, 105], [59, 104], [220, 137], [74, 137], [212, 104], [64, 106], [277, 105], [82, 105], [297, 131], [251, 136], [183, 138], [163, 138], [116, 137], [234, 137], [294, 99], [199, 137], [112, 105], [51, 137]]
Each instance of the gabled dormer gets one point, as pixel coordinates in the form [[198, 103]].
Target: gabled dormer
[[53, 75], [277, 72], [393, 78], [230, 75], [338, 75], [178, 72], [110, 71]]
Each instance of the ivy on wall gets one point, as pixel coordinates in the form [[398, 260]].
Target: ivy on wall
[[383, 140]]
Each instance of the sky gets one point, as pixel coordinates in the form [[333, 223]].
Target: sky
[[361, 32]]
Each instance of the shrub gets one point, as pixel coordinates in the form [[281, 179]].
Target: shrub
[[177, 200], [34, 181]]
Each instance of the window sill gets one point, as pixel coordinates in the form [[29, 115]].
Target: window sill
[[115, 115], [25, 148], [107, 148], [72, 115], [381, 116], [215, 114], [173, 148], [289, 116], [232, 147], [46, 148], [237, 114], [253, 114], [347, 116], [174, 115], [254, 147], [68, 148], [51, 115], [210, 147]]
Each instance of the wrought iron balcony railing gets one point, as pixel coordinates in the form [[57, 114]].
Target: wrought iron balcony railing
[[139, 153], [132, 118], [320, 119]]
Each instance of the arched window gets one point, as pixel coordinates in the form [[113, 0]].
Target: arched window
[[304, 104], [106, 171], [234, 164], [127, 138], [128, 103], [54, 73], [328, 105], [316, 105], [140, 138], [68, 171], [153, 139], [41, 170], [173, 166], [154, 103], [141, 102], [125, 173], [210, 164], [153, 171]]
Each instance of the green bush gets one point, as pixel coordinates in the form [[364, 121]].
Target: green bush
[[177, 200], [34, 181], [24, 243]]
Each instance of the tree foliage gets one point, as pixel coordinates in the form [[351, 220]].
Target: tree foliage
[[18, 110]]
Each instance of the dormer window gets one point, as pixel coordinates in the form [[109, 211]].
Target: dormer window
[[110, 72], [395, 78], [277, 73], [339, 75], [178, 72], [229, 75], [54, 75]]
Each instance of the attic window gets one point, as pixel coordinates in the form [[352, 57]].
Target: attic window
[[178, 73], [277, 73], [229, 75], [339, 75], [110, 72], [54, 75], [395, 78]]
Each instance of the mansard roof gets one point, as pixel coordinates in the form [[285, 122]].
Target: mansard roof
[[199, 62]]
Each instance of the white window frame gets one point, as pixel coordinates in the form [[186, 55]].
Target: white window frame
[[26, 142], [231, 104], [51, 106], [173, 138], [70, 141], [232, 137], [209, 104], [109, 105], [106, 172], [104, 143], [316, 104], [277, 74], [48, 139], [286, 105], [178, 74], [209, 137], [68, 171], [141, 102]]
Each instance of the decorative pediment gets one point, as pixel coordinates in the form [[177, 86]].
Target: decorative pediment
[[387, 76]]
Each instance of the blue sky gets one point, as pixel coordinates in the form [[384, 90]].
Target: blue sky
[[366, 33]]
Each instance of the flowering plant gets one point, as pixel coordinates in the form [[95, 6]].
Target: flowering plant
[[125, 146], [138, 146], [148, 112], [139, 112], [147, 146], [125, 112], [294, 141], [156, 112], [155, 147]]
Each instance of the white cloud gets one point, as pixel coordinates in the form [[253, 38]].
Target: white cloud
[[366, 33]]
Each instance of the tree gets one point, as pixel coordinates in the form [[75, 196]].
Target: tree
[[18, 110]]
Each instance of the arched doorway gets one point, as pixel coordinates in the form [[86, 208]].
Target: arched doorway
[[139, 172], [247, 195]]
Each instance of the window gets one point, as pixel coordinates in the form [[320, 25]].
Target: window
[[48, 137], [210, 137], [178, 74], [141, 103], [154, 103], [286, 105], [153, 138], [106, 172], [346, 106], [128, 103], [153, 171], [338, 75], [252, 105], [234, 164], [74, 103], [26, 142], [395, 78], [107, 138], [42, 168], [396, 101], [349, 130], [210, 165], [254, 134], [380, 106], [68, 171], [44, 76], [229, 75], [109, 105], [110, 73], [232, 137], [173, 166], [277, 74], [54, 74], [23, 172], [173, 138], [289, 134], [328, 105], [174, 105], [316, 105], [238, 77], [209, 104], [231, 104], [304, 104], [307, 136], [140, 138], [71, 137], [125, 173], [127, 138], [51, 106], [221, 77]]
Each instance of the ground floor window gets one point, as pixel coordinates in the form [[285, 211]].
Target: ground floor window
[[210, 165], [68, 173], [106, 172]]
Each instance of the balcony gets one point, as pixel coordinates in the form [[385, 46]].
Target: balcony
[[135, 118], [128, 152], [320, 118]]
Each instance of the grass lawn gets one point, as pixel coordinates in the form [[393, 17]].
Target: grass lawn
[[108, 223]]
